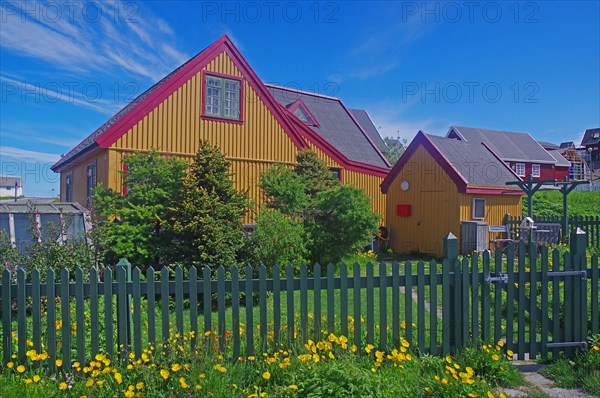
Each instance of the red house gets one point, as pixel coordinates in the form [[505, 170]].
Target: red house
[[524, 155]]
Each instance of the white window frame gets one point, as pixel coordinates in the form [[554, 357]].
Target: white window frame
[[536, 170], [520, 169], [474, 208], [222, 98]]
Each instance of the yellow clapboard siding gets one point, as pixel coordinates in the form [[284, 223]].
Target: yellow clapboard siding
[[176, 127]]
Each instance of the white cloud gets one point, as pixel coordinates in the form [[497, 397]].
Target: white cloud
[[10, 154], [116, 38]]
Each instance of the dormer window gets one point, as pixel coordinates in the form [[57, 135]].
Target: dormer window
[[222, 97], [300, 110]]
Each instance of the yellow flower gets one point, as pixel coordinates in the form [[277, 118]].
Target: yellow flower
[[10, 365], [27, 381], [118, 378], [59, 362], [164, 373], [36, 378], [266, 375], [509, 354], [495, 357], [139, 385], [20, 368], [100, 382], [176, 367], [293, 387], [62, 386], [490, 394], [369, 348], [89, 383], [129, 394], [471, 395], [596, 347]]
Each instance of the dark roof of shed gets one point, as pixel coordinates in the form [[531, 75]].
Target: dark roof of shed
[[475, 163], [510, 146], [362, 117], [591, 137], [548, 145], [336, 124], [9, 181]]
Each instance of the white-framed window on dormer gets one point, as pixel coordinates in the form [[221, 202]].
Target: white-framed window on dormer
[[535, 170], [222, 97], [478, 207], [520, 169]]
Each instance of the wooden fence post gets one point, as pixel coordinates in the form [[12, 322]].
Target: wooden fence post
[[451, 255], [578, 247], [126, 339]]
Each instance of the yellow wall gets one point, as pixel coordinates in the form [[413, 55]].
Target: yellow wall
[[437, 207], [175, 127]]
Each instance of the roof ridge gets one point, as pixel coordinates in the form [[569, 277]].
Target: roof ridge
[[302, 92]]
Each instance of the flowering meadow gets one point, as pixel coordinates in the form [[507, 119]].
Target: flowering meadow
[[332, 367]]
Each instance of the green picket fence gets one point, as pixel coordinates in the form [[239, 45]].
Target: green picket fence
[[540, 304]]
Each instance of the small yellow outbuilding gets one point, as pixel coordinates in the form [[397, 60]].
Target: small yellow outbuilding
[[440, 182]]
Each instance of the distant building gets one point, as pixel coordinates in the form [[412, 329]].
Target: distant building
[[10, 184], [591, 142]]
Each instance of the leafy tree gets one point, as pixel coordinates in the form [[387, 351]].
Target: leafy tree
[[284, 190], [337, 219], [279, 239], [343, 222], [207, 222], [136, 225], [393, 148]]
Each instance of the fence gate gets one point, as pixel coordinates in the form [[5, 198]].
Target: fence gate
[[546, 299]]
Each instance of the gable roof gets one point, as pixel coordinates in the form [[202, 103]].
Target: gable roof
[[362, 117], [473, 167], [120, 123], [591, 137], [336, 124], [508, 145], [548, 145]]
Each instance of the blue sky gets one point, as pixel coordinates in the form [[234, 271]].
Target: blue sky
[[520, 66]]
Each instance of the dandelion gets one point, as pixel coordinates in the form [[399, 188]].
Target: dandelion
[[176, 367], [36, 378], [20, 368], [293, 387], [118, 378], [266, 375], [62, 386], [27, 381], [369, 348], [164, 373], [10, 365], [89, 383], [139, 385], [128, 394]]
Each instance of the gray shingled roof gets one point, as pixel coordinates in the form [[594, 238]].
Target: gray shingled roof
[[474, 162], [508, 145], [362, 117], [591, 137], [548, 145], [560, 159], [335, 125], [9, 181]]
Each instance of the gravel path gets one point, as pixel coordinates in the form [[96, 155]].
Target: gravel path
[[541, 383]]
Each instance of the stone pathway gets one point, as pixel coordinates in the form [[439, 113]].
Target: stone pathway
[[537, 383]]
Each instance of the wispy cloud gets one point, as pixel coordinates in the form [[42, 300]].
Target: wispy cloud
[[380, 45], [73, 97], [131, 40], [10, 154]]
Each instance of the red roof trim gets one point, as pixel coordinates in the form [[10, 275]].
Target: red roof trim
[[494, 191], [296, 130], [223, 44], [421, 139], [300, 104]]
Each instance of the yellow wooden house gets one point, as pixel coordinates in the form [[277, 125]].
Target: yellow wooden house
[[217, 97], [440, 182]]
